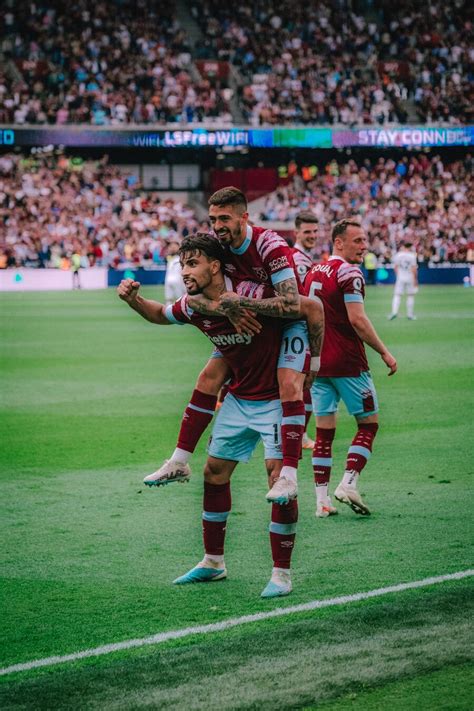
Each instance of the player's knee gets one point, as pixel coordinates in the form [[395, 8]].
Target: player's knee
[[370, 420], [211, 378], [290, 383], [214, 473], [273, 467]]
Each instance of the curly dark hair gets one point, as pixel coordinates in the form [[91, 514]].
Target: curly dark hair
[[203, 243]]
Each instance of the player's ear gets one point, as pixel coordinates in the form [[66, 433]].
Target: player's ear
[[215, 266]]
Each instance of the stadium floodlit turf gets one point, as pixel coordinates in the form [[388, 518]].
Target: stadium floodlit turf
[[91, 399]]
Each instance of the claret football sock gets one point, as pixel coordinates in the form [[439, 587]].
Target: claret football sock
[[216, 508], [322, 461], [282, 532], [292, 428], [196, 417], [359, 452]]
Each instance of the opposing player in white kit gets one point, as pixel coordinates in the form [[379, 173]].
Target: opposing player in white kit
[[174, 286], [406, 269]]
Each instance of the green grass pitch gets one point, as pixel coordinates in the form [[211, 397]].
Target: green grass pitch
[[91, 398]]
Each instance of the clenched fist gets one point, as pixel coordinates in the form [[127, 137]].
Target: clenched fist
[[128, 290]]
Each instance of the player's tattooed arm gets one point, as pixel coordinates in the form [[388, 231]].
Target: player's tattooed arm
[[286, 304], [313, 312], [203, 305], [242, 319]]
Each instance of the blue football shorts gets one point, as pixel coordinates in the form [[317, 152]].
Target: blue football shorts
[[358, 395], [294, 351], [241, 424]]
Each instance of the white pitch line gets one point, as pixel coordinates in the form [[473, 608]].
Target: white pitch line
[[233, 622]]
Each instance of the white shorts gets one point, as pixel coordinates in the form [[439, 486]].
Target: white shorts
[[241, 424], [403, 286]]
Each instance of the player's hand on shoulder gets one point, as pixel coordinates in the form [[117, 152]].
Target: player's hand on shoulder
[[390, 362], [245, 322], [128, 290]]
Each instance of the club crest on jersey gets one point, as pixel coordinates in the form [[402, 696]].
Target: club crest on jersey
[[207, 324], [229, 268], [261, 273]]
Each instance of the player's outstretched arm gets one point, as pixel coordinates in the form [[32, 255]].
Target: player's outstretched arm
[[150, 310], [362, 325], [286, 303]]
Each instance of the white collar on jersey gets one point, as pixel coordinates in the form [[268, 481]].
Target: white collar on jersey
[[245, 244], [301, 249], [228, 284], [334, 256]]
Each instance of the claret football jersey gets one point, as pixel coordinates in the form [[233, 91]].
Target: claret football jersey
[[264, 256], [303, 262], [253, 359], [336, 283]]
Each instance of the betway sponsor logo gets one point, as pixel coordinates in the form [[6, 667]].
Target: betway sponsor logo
[[323, 268], [232, 339], [279, 263]]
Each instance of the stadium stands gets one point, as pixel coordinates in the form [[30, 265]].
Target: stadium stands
[[106, 63], [417, 198], [52, 207], [119, 62]]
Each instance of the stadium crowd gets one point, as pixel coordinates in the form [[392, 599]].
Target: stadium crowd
[[119, 62], [102, 63], [418, 199], [52, 208]]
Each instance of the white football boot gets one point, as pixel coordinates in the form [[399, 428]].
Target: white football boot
[[282, 491], [324, 508], [350, 496], [171, 470]]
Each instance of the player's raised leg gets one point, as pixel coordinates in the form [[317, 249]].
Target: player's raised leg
[[197, 416], [292, 365], [216, 508]]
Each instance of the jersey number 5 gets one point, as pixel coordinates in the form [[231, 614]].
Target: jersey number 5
[[315, 286]]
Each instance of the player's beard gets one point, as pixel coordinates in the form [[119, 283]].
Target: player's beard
[[193, 289], [228, 236]]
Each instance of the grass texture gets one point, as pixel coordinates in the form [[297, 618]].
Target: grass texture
[[91, 398]]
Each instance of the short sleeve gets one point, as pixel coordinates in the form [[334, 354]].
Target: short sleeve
[[351, 282], [276, 256], [180, 312]]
